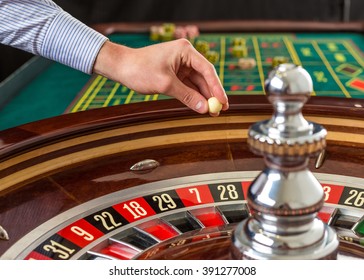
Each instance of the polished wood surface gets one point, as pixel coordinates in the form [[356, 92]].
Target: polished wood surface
[[25, 136], [53, 165]]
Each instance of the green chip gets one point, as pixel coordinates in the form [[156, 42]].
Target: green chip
[[358, 228]]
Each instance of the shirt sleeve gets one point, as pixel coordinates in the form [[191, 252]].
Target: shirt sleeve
[[41, 27]]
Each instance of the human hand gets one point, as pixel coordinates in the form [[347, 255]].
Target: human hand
[[172, 68]]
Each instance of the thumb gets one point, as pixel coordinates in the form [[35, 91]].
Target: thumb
[[188, 96]]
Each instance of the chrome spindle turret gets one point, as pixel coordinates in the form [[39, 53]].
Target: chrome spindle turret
[[285, 197]]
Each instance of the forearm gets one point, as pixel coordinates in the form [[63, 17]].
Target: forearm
[[42, 28], [72, 43]]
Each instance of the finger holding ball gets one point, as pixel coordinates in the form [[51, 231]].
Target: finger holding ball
[[214, 106]]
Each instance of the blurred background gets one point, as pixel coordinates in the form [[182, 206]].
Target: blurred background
[[103, 11]]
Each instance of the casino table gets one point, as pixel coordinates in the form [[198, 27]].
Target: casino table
[[333, 56], [131, 181]]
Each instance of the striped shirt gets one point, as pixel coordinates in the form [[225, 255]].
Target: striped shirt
[[41, 27]]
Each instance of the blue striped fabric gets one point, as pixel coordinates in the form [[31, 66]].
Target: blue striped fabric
[[43, 28]]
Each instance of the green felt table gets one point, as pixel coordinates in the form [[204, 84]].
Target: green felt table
[[45, 89], [68, 168]]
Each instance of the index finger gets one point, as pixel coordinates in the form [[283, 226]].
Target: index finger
[[200, 64]]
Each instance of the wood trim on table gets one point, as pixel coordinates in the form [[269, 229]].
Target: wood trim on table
[[18, 139]]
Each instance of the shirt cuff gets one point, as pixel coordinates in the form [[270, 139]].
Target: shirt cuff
[[72, 43]]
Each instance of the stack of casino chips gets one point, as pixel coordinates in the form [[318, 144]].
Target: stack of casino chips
[[212, 56], [279, 60], [203, 47], [189, 32], [170, 31], [239, 48]]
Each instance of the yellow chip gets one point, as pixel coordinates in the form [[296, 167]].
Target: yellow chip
[[202, 46], [240, 51]]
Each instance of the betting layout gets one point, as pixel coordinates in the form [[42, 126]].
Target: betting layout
[[242, 62], [140, 222]]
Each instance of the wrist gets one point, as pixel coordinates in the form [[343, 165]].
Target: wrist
[[109, 59]]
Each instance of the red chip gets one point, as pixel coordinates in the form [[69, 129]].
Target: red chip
[[192, 31]]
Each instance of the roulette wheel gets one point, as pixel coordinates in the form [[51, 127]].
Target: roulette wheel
[[161, 182]]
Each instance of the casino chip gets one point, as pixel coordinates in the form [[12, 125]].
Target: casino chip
[[192, 31], [279, 60], [240, 51], [202, 46], [247, 63], [170, 31], [180, 32], [238, 41], [212, 56]]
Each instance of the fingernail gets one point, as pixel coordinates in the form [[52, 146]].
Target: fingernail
[[198, 105]]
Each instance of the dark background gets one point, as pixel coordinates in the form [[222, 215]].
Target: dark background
[[103, 11]]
